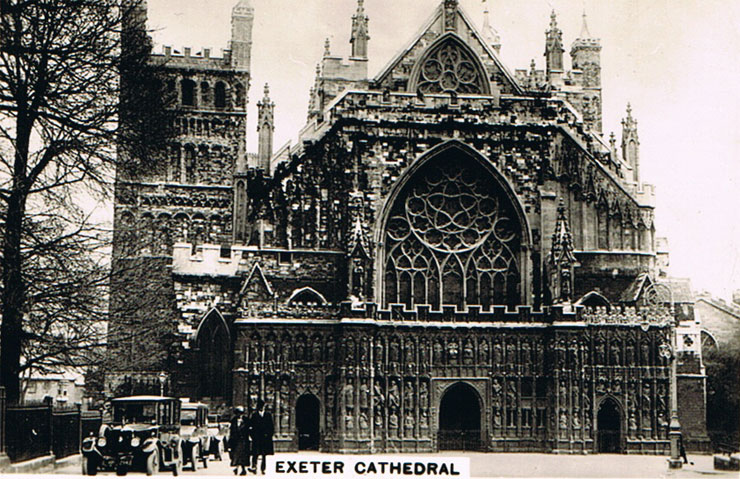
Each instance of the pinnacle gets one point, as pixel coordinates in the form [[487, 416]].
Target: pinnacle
[[244, 5], [327, 48], [584, 28]]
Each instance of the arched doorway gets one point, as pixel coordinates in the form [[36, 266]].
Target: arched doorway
[[307, 413], [609, 427], [459, 419], [214, 358]]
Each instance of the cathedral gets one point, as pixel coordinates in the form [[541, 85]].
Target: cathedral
[[452, 256]]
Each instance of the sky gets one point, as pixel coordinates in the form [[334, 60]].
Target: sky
[[675, 61]]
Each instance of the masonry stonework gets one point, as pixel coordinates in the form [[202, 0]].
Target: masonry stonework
[[445, 233]]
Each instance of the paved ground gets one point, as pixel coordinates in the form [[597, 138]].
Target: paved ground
[[524, 465]]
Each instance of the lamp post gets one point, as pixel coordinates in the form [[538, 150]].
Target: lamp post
[[675, 426], [655, 297], [674, 462], [162, 379]]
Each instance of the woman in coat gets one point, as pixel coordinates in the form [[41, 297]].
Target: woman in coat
[[239, 442], [263, 429]]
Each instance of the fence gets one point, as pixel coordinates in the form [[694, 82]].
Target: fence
[[37, 430], [28, 431], [459, 440]]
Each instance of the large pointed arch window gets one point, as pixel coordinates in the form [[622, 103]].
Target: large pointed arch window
[[450, 66], [452, 237]]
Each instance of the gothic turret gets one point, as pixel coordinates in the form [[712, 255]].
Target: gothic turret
[[631, 145], [242, 20], [586, 57], [360, 36], [265, 129], [554, 50]]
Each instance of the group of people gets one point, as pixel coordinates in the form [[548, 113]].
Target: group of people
[[250, 438]]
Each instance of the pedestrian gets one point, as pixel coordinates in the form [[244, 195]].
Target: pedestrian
[[239, 441], [263, 429], [682, 449]]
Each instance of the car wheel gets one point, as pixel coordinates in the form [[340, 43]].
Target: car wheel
[[121, 470], [194, 456], [204, 458], [177, 468], [89, 467], [152, 463]]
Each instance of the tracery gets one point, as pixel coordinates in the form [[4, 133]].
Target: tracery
[[452, 238]]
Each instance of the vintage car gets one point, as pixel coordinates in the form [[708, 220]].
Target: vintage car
[[143, 436], [199, 440]]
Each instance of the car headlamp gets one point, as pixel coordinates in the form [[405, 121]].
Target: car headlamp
[[135, 441], [101, 442]]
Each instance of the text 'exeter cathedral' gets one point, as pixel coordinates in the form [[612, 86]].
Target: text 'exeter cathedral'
[[451, 256]]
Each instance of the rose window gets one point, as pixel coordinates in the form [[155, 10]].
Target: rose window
[[450, 68], [452, 238]]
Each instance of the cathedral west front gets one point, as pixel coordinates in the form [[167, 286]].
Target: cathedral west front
[[452, 256]]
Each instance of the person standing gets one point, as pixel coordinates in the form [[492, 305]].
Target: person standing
[[263, 428], [239, 442]]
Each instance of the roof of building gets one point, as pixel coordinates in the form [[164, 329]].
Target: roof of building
[[720, 304]]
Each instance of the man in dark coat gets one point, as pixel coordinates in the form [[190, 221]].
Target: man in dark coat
[[262, 431]]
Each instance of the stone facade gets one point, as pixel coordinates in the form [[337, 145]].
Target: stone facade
[[445, 237]]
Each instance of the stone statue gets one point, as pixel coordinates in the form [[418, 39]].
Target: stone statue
[[393, 395], [424, 395], [409, 422], [408, 395]]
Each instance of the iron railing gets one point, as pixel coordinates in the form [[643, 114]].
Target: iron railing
[[459, 440]]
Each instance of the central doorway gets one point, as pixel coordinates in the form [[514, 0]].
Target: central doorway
[[609, 426], [307, 414], [459, 419]]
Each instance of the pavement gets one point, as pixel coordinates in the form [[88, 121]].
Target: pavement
[[495, 465]]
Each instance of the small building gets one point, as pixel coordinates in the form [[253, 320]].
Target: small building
[[66, 387]]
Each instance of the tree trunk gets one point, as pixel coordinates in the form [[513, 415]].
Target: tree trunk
[[14, 289], [13, 299]]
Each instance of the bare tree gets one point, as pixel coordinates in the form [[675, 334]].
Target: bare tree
[[60, 96]]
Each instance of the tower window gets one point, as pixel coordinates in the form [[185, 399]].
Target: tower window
[[219, 95], [188, 92]]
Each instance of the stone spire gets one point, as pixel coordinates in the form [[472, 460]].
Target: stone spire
[[490, 35], [242, 21], [314, 102], [631, 144], [265, 130], [584, 28], [554, 46], [562, 260], [327, 47], [360, 32]]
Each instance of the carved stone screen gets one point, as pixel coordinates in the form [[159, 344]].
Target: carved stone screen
[[451, 67], [452, 237]]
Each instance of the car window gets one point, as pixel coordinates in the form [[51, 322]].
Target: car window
[[188, 417]]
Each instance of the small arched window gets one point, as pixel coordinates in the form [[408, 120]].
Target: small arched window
[[188, 92], [189, 164], [219, 95], [204, 93]]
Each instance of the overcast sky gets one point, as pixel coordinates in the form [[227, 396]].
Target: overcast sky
[[676, 61]]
